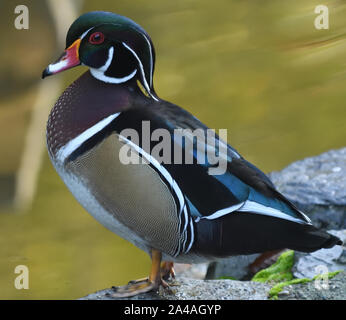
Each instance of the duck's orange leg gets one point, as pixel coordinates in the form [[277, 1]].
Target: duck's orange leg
[[151, 283], [167, 270]]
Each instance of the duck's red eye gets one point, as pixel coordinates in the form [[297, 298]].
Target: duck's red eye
[[96, 38]]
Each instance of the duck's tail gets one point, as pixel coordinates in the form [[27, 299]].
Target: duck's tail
[[316, 239], [246, 233]]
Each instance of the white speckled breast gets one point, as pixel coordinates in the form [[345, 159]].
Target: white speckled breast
[[130, 200]]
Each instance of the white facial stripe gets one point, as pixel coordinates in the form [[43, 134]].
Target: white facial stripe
[[142, 69], [251, 206], [99, 73], [169, 180], [66, 150], [104, 78], [85, 33], [151, 59], [105, 67]]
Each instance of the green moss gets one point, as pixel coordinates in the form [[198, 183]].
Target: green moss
[[275, 290], [281, 274], [227, 278], [279, 271], [330, 275]]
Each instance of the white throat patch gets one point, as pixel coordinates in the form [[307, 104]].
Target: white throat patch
[[99, 73]]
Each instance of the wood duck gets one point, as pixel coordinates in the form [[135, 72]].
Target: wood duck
[[176, 212]]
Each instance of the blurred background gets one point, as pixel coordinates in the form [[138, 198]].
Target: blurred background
[[258, 68]]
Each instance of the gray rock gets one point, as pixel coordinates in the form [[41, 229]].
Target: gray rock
[[106, 294], [192, 271], [334, 289], [308, 265], [236, 267], [193, 289], [317, 185]]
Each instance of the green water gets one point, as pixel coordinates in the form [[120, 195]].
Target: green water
[[258, 68]]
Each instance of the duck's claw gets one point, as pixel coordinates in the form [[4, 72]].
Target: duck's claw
[[135, 288], [167, 270]]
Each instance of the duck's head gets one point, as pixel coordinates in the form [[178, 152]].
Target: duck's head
[[115, 48]]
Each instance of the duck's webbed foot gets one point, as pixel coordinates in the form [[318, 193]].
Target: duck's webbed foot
[[152, 283]]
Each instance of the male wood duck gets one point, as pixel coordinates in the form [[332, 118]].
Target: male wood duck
[[174, 212]]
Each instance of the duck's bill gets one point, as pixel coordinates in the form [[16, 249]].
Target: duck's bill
[[68, 60]]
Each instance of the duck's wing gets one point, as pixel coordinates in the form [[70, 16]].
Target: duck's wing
[[241, 187]]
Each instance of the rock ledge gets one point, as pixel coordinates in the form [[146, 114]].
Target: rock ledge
[[194, 289]]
